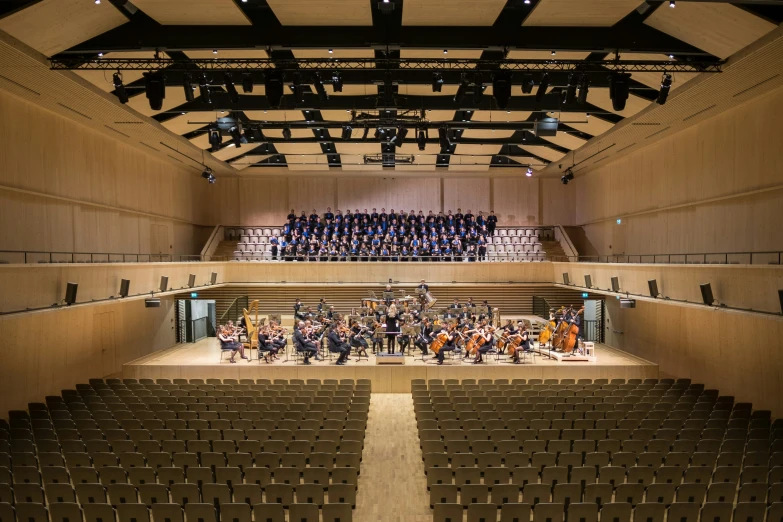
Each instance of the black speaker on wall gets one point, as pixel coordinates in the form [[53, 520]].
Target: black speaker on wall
[[652, 284], [213, 278], [615, 284], [780, 296], [192, 280], [70, 293], [566, 279], [588, 281], [706, 294], [124, 287], [164, 283]]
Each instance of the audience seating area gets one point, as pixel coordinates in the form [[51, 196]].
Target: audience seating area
[[175, 450], [579, 450], [508, 243]]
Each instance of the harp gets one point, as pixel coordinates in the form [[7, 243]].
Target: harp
[[252, 324]]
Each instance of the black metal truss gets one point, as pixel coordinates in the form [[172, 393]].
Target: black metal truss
[[381, 66]]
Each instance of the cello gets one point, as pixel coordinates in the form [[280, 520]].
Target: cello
[[573, 332], [441, 339], [546, 335]]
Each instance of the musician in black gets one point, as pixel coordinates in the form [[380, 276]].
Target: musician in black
[[450, 346], [575, 318], [298, 314], [338, 345], [492, 222], [308, 348], [321, 305], [357, 339], [524, 345], [424, 339], [423, 286], [489, 343]]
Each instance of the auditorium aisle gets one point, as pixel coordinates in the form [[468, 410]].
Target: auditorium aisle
[[392, 485]]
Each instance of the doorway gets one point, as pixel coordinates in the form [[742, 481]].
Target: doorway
[[195, 320]]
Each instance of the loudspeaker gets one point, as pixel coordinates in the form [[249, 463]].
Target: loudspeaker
[[588, 281], [780, 296], [566, 279], [652, 284], [706, 294], [213, 278], [164, 283], [124, 287], [192, 280], [615, 284], [627, 303], [152, 303], [70, 293]]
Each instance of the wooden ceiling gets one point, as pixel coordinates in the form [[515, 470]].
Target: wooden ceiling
[[414, 29]]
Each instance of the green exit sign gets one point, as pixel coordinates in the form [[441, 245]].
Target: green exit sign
[[194, 294], [584, 294]]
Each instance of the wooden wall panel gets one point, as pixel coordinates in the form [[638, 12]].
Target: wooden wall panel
[[466, 193], [515, 200], [312, 193], [263, 200], [558, 202], [715, 187]]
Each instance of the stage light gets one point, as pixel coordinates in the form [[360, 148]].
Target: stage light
[[462, 89], [298, 88], [236, 136], [527, 83], [319, 87], [542, 87], [529, 172], [478, 88], [119, 88], [365, 133], [211, 180], [228, 81], [399, 138], [570, 91], [706, 294], [155, 87], [214, 51], [273, 85], [286, 133], [501, 88], [187, 86], [437, 82], [672, 4], [337, 82], [347, 132], [618, 90], [331, 51], [421, 140], [652, 284], [443, 136], [215, 139], [666, 85], [203, 88], [247, 83], [584, 87], [208, 175]]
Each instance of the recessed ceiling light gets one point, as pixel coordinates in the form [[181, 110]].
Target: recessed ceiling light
[[672, 4], [445, 51], [554, 53], [100, 55], [97, 2], [214, 51], [331, 51]]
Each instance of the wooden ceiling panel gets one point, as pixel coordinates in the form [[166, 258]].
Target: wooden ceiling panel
[[336, 115], [440, 115], [276, 116], [295, 133], [339, 54], [599, 96], [415, 168], [718, 28], [355, 90], [298, 148], [229, 152], [322, 12], [52, 26], [487, 134], [202, 141], [356, 162], [227, 54], [502, 116], [451, 12], [189, 122], [582, 122], [426, 90], [547, 55], [543, 152], [357, 148], [566, 140], [479, 150], [249, 160], [454, 54], [426, 157], [568, 13], [193, 12]]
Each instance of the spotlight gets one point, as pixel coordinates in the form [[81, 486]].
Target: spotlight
[[331, 51], [478, 88], [187, 85], [672, 4], [365, 133], [564, 180], [273, 84], [319, 87], [211, 180], [119, 88], [97, 2], [402, 132], [529, 172], [155, 86], [232, 91], [437, 82], [618, 90], [286, 133], [569, 175], [337, 82], [298, 88], [584, 87], [214, 51], [527, 83], [215, 139], [501, 88], [247, 83], [207, 173], [542, 87], [462, 89], [666, 85], [347, 132], [570, 92], [443, 136], [203, 88], [236, 136], [421, 139]]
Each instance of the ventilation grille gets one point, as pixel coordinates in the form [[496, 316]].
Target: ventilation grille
[[149, 146], [644, 123], [762, 82], [699, 112], [9, 80], [627, 147], [657, 132], [115, 130], [73, 110]]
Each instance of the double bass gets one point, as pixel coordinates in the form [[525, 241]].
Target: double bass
[[546, 335], [559, 335], [570, 337]]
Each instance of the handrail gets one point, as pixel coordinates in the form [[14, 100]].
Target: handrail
[[44, 257], [565, 241], [700, 258], [234, 304], [212, 243]]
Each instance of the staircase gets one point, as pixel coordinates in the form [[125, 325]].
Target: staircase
[[553, 249], [225, 250]]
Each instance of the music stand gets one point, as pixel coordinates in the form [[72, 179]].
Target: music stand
[[388, 295], [364, 311], [379, 333]]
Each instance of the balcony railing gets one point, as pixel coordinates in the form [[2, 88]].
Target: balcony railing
[[32, 256], [714, 258]]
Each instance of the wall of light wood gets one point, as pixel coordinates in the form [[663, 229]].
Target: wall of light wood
[[715, 187], [64, 187], [736, 353], [268, 200], [49, 351], [558, 202]]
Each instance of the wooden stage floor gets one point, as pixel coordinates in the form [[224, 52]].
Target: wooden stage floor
[[202, 360]]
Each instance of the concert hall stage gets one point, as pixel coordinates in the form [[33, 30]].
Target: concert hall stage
[[202, 360]]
